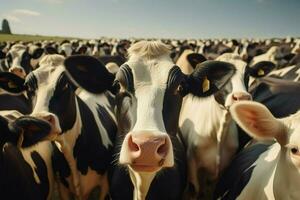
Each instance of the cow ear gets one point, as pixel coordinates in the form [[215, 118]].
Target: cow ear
[[37, 53], [2, 54], [261, 69], [258, 121], [209, 77], [11, 83], [88, 73], [195, 58], [50, 50], [29, 130]]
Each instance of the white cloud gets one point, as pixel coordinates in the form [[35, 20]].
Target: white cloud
[[11, 18], [17, 14], [25, 12]]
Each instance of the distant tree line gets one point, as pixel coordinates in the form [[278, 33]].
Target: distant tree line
[[5, 27]]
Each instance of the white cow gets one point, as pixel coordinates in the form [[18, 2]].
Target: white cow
[[264, 171]]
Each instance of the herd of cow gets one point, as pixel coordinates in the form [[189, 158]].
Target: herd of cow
[[155, 120]]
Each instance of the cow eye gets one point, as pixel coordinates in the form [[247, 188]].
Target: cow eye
[[294, 150], [179, 90], [66, 86]]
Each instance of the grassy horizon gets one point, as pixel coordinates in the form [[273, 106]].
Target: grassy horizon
[[25, 37]]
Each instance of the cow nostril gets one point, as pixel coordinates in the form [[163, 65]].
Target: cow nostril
[[240, 97], [234, 97], [49, 119], [163, 149], [132, 145]]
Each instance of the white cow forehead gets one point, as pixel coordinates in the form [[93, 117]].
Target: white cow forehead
[[234, 59], [17, 52], [48, 75], [150, 72]]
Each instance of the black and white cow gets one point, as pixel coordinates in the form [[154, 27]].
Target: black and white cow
[[212, 143], [288, 73], [147, 111], [25, 171], [19, 60], [263, 171], [83, 125]]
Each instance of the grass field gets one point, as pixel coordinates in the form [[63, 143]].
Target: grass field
[[15, 37]]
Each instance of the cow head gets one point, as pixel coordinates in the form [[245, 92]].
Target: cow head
[[51, 93], [236, 88], [24, 131], [260, 124], [150, 89], [19, 59]]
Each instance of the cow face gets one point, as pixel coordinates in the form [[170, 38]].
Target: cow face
[[259, 123], [66, 49], [236, 89], [50, 92], [149, 95], [19, 60]]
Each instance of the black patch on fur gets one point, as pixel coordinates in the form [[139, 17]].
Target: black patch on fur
[[63, 104], [50, 50], [281, 97], [89, 150], [238, 174], [172, 100], [37, 53], [2, 55], [125, 77], [25, 62], [60, 165], [41, 171], [18, 181]]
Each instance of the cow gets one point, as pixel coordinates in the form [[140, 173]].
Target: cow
[[65, 49], [280, 96], [264, 170], [212, 143], [288, 73], [82, 125], [19, 59], [25, 171], [275, 54], [150, 160]]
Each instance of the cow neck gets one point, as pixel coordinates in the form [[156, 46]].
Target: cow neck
[[66, 145], [141, 182]]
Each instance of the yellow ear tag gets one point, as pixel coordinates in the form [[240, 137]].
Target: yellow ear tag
[[261, 72], [11, 85], [205, 85]]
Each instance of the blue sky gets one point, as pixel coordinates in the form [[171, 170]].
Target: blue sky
[[154, 18]]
